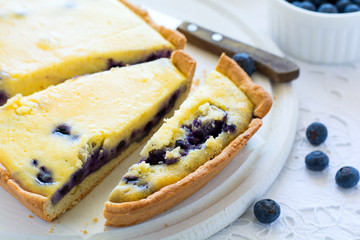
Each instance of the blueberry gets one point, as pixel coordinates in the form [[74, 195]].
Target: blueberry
[[327, 8], [266, 210], [318, 2], [229, 128], [63, 129], [130, 178], [341, 4], [316, 161], [347, 177], [156, 157], [246, 62], [35, 162], [316, 133], [305, 5], [3, 98], [351, 8], [171, 161], [297, 3], [44, 176]]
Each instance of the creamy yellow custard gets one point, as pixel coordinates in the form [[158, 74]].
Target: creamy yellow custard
[[43, 42], [214, 115]]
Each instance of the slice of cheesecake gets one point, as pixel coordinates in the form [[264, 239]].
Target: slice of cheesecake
[[191, 147], [56, 145], [43, 43]]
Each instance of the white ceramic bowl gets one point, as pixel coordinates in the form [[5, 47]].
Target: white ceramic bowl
[[315, 37]]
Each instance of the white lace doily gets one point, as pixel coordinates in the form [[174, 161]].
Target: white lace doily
[[312, 205]]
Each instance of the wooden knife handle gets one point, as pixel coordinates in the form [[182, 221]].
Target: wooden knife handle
[[276, 68]]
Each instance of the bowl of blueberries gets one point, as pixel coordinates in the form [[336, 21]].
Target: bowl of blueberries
[[318, 31]]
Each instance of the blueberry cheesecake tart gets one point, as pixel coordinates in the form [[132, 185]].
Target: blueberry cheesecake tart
[[43, 44], [56, 145], [190, 148]]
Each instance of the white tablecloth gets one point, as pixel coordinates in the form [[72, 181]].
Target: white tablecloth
[[312, 206]]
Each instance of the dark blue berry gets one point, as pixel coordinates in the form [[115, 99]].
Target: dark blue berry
[[63, 129], [171, 161], [130, 178], [347, 177], [327, 8], [229, 128], [266, 210], [44, 176], [3, 98], [351, 8], [297, 3], [316, 133], [156, 157], [35, 162], [245, 61], [318, 2], [305, 5], [316, 161], [341, 4]]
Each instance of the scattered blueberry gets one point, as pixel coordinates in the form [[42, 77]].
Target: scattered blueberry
[[341, 4], [266, 210], [316, 161], [316, 133], [351, 8], [327, 8], [347, 177], [44, 176], [35, 162], [246, 62]]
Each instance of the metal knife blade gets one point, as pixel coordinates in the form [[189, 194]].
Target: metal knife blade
[[277, 68]]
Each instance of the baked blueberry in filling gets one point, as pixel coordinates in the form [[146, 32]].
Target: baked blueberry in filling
[[3, 98], [44, 176], [160, 54], [35, 162], [196, 134], [101, 156], [63, 129], [130, 178]]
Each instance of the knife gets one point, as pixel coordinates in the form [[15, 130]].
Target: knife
[[277, 68]]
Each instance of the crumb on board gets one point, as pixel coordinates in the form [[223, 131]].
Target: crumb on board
[[31, 216], [86, 224], [85, 232], [95, 219], [166, 225], [59, 222]]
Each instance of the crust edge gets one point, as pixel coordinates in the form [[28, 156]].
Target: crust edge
[[255, 92], [131, 213], [174, 37]]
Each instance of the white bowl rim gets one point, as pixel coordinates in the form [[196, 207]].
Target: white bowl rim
[[318, 14]]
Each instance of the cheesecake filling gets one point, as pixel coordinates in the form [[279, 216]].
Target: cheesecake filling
[[98, 156], [198, 139]]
